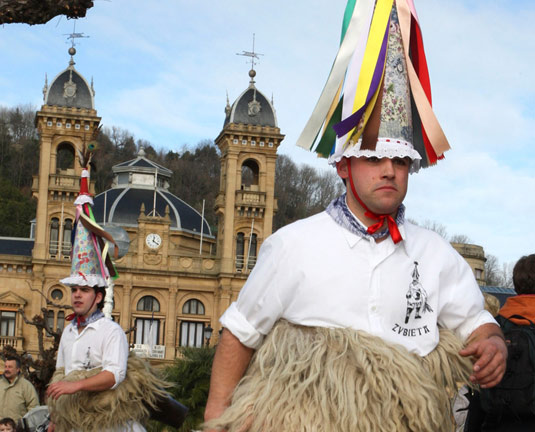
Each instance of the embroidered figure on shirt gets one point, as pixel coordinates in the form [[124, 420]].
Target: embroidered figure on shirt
[[416, 297], [87, 363]]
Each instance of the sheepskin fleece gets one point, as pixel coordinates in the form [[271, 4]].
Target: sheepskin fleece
[[309, 379], [96, 411]]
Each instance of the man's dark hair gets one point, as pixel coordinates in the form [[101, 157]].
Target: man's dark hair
[[8, 421], [15, 359], [102, 290], [524, 275]]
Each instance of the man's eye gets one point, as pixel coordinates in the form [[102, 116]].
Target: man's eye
[[401, 161], [373, 159]]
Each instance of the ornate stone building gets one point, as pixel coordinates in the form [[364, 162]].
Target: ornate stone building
[[176, 277]]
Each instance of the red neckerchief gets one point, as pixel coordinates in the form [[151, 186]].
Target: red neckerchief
[[392, 225]]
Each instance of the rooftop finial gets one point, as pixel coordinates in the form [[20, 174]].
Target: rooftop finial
[[45, 88], [72, 36], [254, 55], [228, 107]]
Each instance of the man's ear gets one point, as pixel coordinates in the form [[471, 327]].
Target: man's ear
[[341, 168], [97, 298]]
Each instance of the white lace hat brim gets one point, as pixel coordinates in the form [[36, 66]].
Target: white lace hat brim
[[385, 148]]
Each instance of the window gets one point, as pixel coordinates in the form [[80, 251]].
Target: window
[[61, 321], [56, 294], [249, 174], [7, 323], [147, 331], [64, 157], [50, 320], [239, 250], [193, 307], [252, 252], [54, 235], [67, 232], [148, 304], [191, 334]]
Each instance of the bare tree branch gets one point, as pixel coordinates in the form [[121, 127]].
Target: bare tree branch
[[49, 302], [41, 11]]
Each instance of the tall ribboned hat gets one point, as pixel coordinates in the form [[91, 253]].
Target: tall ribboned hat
[[377, 99], [91, 264]]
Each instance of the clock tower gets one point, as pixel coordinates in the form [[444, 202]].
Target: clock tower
[[246, 204]]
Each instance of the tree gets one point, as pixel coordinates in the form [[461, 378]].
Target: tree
[[39, 371], [302, 191], [498, 275], [41, 11], [460, 238], [190, 375], [16, 211]]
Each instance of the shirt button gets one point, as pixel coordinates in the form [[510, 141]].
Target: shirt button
[[374, 308]]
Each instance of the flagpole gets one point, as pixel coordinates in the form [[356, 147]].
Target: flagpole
[[202, 228], [249, 246]]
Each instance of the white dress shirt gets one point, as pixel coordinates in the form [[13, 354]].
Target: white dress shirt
[[101, 344], [316, 273]]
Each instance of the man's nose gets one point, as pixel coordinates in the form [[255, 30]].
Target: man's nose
[[387, 168]]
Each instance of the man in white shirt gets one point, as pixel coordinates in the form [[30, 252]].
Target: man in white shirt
[[385, 287], [91, 341]]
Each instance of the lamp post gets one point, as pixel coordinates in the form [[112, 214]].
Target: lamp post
[[208, 334]]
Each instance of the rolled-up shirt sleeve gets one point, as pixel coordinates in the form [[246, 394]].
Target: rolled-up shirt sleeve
[[115, 354], [258, 306], [462, 303]]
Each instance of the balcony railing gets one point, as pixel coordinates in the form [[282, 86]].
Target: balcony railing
[[240, 263], [54, 249], [15, 342]]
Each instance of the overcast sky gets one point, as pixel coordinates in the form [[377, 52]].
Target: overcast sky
[[162, 70]]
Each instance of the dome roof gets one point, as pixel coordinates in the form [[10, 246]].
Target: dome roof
[[69, 89], [134, 187], [251, 108]]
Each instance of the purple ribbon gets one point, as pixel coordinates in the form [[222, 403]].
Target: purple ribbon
[[353, 120]]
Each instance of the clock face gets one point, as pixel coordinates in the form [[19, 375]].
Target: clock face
[[153, 241]]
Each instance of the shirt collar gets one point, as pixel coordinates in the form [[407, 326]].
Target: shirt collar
[[354, 230]]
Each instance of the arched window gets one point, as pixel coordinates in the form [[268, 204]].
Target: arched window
[[193, 307], [54, 236], [64, 157], [249, 174], [252, 252], [239, 250], [50, 320], [148, 329], [148, 304], [61, 321], [66, 242]]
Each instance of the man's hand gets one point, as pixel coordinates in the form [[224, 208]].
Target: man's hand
[[487, 346], [51, 427], [59, 388]]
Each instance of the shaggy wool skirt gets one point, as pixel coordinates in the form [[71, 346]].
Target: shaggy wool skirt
[[309, 379], [115, 409]]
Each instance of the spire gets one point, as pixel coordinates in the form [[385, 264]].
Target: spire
[[45, 87], [228, 107]]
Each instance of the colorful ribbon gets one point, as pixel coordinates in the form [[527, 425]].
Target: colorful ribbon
[[355, 80]]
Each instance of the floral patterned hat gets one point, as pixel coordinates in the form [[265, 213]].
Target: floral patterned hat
[[91, 264], [377, 100]]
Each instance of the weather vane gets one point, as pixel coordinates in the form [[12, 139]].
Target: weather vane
[[72, 36], [254, 55]]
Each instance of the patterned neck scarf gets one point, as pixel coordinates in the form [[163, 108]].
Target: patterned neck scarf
[[95, 316], [341, 214]]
